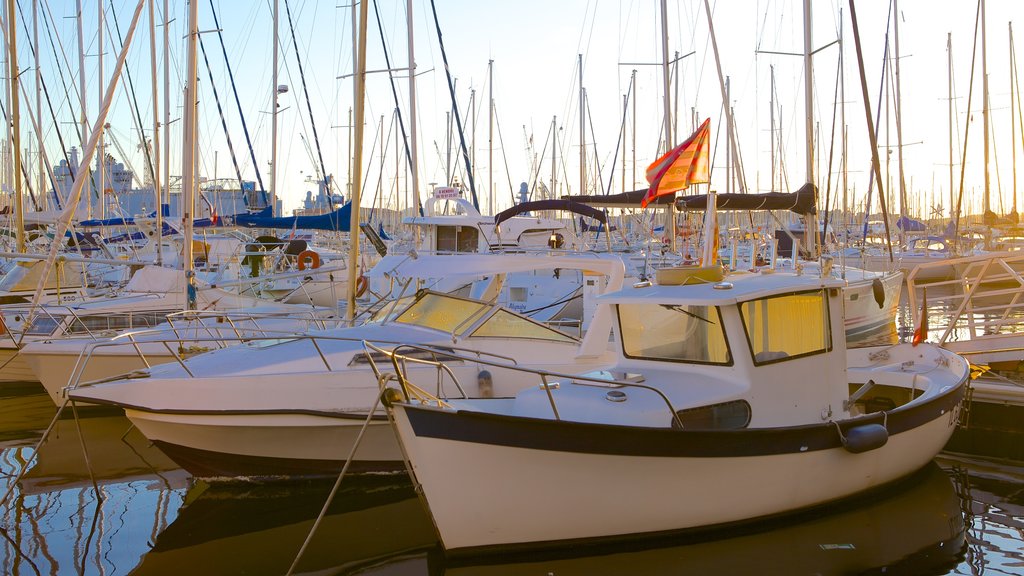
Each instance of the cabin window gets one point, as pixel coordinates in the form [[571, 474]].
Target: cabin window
[[504, 324], [733, 415], [518, 293], [441, 312], [789, 326], [674, 332], [42, 325], [457, 239], [86, 324]]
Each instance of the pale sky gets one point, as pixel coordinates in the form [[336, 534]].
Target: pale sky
[[534, 46]]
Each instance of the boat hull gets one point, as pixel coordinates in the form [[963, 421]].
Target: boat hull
[[555, 483], [13, 367], [270, 445], [54, 371]]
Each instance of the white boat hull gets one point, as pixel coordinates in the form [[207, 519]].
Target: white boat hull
[[13, 367], [54, 371], [269, 445], [485, 491]]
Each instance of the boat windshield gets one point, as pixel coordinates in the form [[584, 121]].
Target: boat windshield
[[504, 324], [442, 312], [787, 326], [678, 333]]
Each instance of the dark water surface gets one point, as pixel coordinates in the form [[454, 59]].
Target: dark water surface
[[149, 517]]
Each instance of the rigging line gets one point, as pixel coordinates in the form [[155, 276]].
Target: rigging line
[[597, 158], [501, 142], [49, 102], [223, 122], [305, 90], [238, 103], [967, 127], [878, 114], [394, 94], [455, 106], [67, 63], [24, 173], [60, 138], [832, 147], [536, 175], [147, 153], [373, 146], [384, 146], [622, 129]]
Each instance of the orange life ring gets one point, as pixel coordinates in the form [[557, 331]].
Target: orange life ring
[[361, 285], [313, 257], [684, 230]]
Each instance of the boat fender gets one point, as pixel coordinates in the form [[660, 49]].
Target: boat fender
[[878, 290], [313, 257], [865, 438], [361, 285]]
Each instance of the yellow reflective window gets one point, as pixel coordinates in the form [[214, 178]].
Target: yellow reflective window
[[441, 312], [504, 324], [783, 327], [674, 332]]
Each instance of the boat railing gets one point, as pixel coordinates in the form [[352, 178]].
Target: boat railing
[[548, 380], [172, 341], [232, 319], [983, 299]]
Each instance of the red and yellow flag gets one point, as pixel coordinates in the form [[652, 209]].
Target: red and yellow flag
[[683, 165]]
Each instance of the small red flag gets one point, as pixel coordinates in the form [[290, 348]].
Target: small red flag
[[683, 165], [921, 333]]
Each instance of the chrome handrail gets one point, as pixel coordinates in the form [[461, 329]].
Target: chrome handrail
[[574, 379]]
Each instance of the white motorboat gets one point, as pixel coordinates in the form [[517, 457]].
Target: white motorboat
[[150, 297], [731, 402], [294, 406]]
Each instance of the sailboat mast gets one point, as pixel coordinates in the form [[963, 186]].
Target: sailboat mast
[[984, 106], [625, 111], [102, 156], [167, 112], [81, 96], [413, 145], [41, 182], [490, 134], [583, 132], [156, 130], [771, 139], [554, 139], [899, 115], [359, 90], [670, 225], [188, 154], [949, 91], [842, 115], [810, 221], [728, 138], [12, 59], [273, 115], [1013, 116]]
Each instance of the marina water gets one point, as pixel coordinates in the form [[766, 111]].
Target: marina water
[[112, 504]]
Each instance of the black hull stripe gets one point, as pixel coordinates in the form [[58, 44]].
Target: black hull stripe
[[588, 438], [209, 464]]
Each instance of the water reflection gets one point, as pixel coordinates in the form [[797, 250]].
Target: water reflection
[[241, 529], [956, 517], [54, 521]]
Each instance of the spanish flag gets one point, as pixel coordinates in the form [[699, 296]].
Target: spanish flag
[[683, 165]]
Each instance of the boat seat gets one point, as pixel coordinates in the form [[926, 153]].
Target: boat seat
[[769, 355]]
